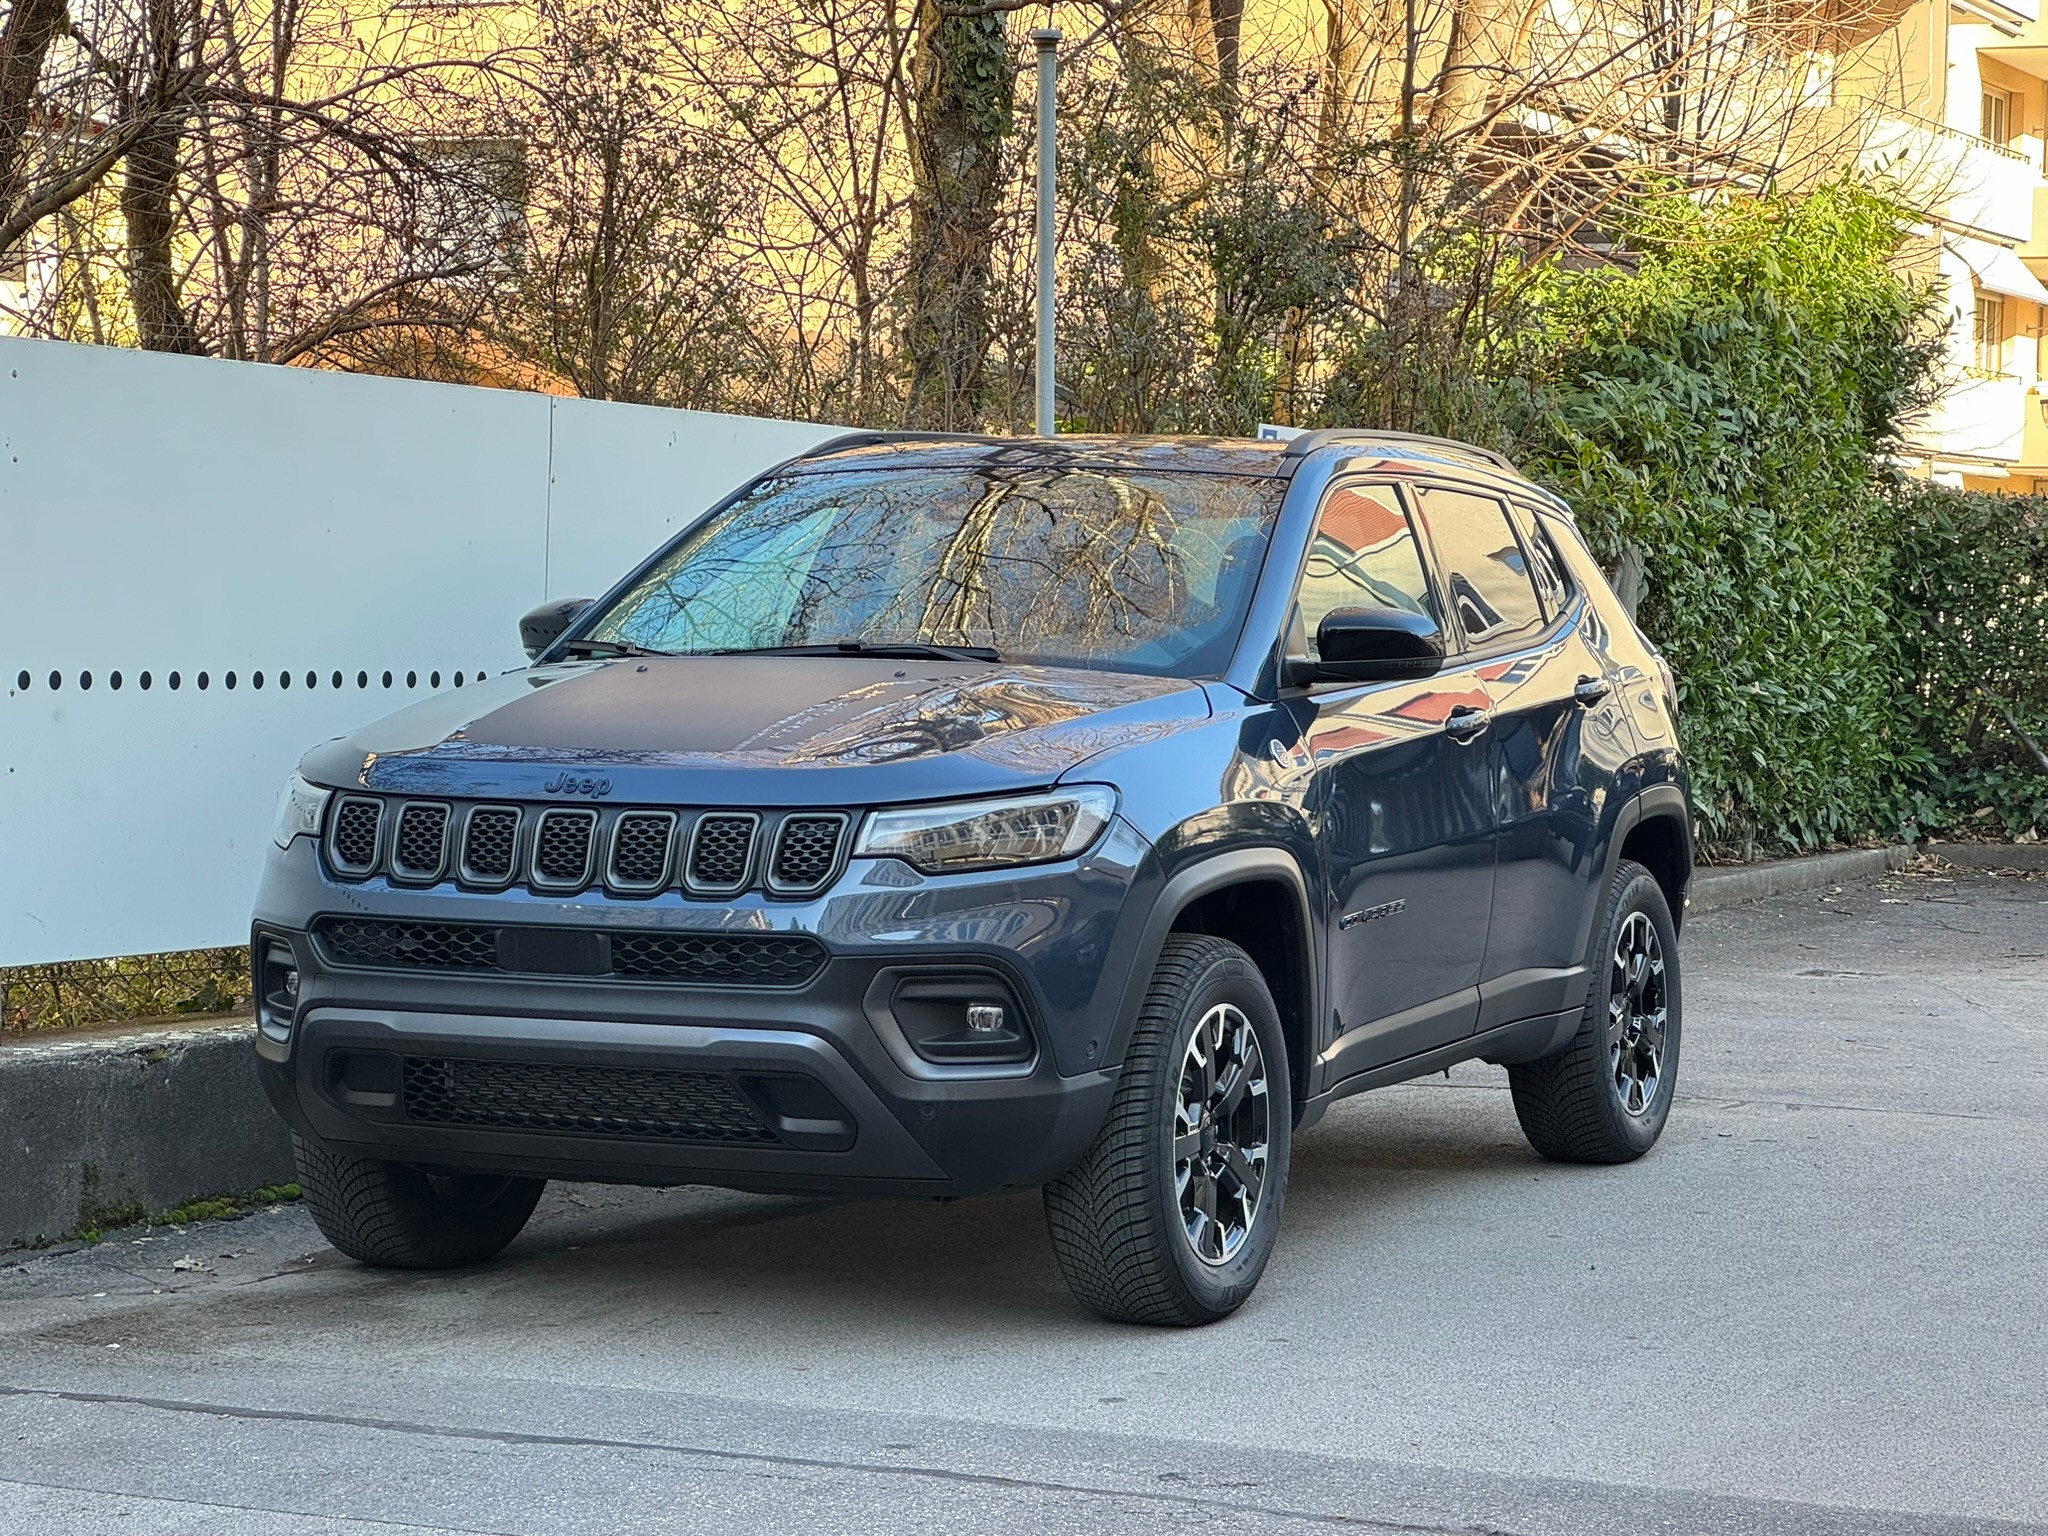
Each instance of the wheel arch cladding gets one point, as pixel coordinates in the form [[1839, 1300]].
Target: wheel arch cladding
[[1657, 840], [1266, 916]]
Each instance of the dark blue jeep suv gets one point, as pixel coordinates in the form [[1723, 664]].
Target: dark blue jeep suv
[[941, 815]]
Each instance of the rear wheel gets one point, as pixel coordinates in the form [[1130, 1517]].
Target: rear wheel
[[1171, 1215], [401, 1217], [1605, 1096]]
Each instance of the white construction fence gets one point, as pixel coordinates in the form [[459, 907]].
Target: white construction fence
[[206, 567]]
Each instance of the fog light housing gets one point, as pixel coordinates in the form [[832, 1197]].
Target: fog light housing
[[960, 1019], [276, 986]]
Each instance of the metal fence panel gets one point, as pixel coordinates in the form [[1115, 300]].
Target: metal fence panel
[[205, 567]]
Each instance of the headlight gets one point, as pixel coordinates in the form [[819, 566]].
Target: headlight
[[299, 810], [989, 834]]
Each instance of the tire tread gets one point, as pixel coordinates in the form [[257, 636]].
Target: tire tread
[[1107, 1232], [1562, 1100]]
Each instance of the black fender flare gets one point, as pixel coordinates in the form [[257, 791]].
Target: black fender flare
[[1660, 801], [1234, 866]]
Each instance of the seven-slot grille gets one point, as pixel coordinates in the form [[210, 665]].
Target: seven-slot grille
[[560, 850]]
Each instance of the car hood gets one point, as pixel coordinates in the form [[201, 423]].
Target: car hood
[[701, 730]]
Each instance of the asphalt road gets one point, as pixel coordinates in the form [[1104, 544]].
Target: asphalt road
[[1819, 1306]]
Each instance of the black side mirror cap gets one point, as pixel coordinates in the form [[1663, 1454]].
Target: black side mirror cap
[[1370, 645], [543, 627]]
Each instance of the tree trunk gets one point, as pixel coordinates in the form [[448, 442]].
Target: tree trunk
[[962, 78], [24, 42], [149, 191]]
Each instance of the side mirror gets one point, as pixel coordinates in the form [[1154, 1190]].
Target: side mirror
[[543, 627], [1371, 645]]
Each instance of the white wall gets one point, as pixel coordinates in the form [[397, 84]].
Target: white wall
[[165, 516]]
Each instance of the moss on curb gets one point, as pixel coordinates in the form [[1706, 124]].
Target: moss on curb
[[96, 1220]]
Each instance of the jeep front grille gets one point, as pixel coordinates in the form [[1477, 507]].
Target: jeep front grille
[[559, 850], [721, 853], [353, 835], [640, 842], [705, 959], [490, 845], [562, 848], [806, 852], [581, 1100], [421, 846]]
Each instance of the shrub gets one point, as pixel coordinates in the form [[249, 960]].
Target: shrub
[[1972, 605], [1724, 408]]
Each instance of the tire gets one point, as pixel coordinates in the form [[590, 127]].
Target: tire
[[395, 1216], [1126, 1244], [1605, 1097]]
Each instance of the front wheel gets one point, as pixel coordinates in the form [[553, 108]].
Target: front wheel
[[400, 1217], [1605, 1096], [1171, 1214]]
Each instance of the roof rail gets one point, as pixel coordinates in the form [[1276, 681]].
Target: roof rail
[[874, 439], [1324, 437]]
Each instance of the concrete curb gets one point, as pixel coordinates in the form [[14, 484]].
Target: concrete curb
[[109, 1124], [1714, 888], [2027, 856]]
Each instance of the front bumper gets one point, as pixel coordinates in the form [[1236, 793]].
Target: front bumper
[[804, 1088]]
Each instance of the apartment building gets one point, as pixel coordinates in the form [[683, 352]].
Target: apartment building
[[1955, 116]]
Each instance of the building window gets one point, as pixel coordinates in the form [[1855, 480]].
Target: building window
[[1989, 334], [1997, 115], [469, 206]]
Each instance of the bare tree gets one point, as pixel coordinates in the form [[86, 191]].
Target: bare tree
[[253, 178]]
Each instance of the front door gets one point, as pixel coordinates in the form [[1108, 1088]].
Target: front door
[[1401, 801]]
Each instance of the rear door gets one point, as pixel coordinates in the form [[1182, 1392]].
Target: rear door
[[1401, 802], [1550, 703]]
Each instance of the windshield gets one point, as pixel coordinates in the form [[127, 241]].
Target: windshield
[[1121, 570]]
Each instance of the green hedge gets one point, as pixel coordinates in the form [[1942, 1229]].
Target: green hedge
[[1728, 408], [1972, 607]]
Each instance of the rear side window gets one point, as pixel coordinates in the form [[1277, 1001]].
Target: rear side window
[[1483, 566], [1553, 585], [1364, 556]]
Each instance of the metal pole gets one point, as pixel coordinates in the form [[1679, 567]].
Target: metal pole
[[1047, 40]]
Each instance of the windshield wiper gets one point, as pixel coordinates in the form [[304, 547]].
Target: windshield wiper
[[590, 647], [885, 649]]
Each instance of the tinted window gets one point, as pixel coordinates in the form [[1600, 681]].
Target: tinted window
[[1483, 567], [1364, 556], [1545, 564], [1125, 570]]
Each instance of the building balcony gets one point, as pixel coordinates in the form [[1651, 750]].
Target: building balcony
[[1951, 176], [1981, 417]]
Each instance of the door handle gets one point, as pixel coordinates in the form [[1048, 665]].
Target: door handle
[[1466, 721], [1591, 690]]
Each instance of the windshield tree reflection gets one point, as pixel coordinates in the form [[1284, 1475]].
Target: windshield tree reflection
[[1121, 570]]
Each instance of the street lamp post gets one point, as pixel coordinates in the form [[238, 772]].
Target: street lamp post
[[1047, 40]]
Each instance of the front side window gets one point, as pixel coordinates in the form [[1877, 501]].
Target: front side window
[[1484, 567], [1364, 555], [1124, 570]]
